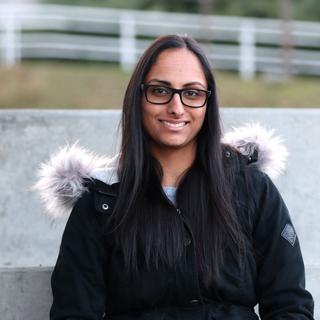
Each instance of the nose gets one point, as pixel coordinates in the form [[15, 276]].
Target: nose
[[175, 106]]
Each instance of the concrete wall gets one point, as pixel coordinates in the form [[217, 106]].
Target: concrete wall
[[29, 239], [25, 293]]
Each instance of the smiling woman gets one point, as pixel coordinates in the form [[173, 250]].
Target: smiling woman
[[179, 225]]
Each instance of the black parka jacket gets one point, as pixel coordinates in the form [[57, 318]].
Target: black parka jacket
[[89, 280]]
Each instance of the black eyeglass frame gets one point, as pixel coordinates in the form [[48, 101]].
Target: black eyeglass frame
[[144, 88]]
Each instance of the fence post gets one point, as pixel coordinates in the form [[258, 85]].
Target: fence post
[[127, 41], [10, 39], [247, 65]]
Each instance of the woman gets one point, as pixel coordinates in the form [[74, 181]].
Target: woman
[[180, 225]]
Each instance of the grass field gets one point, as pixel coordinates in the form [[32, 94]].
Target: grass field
[[101, 86]]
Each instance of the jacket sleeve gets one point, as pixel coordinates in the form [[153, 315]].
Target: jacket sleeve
[[78, 279], [281, 275]]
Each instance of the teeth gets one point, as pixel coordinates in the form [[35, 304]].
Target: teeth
[[175, 124]]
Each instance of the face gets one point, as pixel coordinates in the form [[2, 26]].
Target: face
[[174, 125]]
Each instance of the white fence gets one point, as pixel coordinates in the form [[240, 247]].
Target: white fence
[[248, 45]]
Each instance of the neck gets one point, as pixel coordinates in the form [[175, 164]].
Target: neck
[[174, 162]]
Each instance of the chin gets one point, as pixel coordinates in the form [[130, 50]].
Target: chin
[[175, 144]]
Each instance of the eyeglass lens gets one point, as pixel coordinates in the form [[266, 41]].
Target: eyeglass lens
[[189, 97]]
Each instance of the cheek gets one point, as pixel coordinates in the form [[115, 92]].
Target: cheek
[[148, 117], [200, 117]]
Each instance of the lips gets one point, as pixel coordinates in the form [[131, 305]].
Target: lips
[[174, 124]]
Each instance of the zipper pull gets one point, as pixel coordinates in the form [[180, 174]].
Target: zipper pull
[[178, 211]]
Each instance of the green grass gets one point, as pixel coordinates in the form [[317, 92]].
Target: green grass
[[101, 86], [62, 85]]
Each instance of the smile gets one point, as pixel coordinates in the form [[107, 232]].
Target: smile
[[171, 124]]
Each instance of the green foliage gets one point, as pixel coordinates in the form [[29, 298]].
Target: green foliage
[[302, 9], [248, 8], [132, 4], [306, 10]]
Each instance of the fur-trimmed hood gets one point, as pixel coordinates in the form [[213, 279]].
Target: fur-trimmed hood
[[61, 178]]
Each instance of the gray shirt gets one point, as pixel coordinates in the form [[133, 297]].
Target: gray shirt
[[171, 194]]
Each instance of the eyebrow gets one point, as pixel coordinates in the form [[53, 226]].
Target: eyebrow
[[168, 83]]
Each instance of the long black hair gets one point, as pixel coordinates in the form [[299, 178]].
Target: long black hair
[[147, 228]]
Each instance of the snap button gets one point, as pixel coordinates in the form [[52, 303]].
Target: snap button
[[228, 154], [194, 301], [105, 206], [187, 241]]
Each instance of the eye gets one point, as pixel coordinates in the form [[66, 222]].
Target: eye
[[192, 93], [159, 91]]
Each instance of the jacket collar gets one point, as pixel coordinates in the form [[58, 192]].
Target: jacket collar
[[62, 179]]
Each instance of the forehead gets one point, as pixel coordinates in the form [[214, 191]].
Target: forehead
[[177, 66]]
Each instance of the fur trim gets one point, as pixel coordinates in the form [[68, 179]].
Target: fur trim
[[272, 154], [61, 179]]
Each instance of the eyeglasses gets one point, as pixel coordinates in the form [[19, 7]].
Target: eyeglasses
[[193, 98]]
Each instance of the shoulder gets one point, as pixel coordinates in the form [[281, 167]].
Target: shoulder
[[256, 156], [69, 174], [253, 190], [91, 211], [257, 147], [99, 197]]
